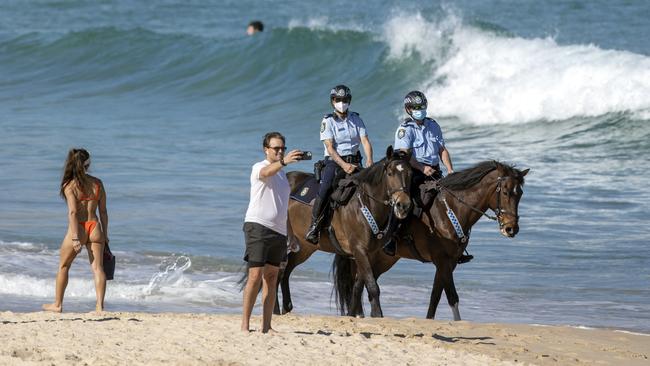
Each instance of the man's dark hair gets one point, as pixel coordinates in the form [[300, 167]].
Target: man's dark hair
[[257, 25], [272, 135]]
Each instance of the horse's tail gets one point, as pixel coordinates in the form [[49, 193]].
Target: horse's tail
[[244, 277], [241, 282], [342, 272]]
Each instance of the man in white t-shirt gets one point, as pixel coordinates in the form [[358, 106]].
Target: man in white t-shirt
[[265, 227]]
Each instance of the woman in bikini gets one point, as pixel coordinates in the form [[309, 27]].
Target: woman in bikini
[[83, 194]]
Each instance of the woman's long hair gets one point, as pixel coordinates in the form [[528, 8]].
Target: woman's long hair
[[75, 169]]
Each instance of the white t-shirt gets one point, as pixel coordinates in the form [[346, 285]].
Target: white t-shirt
[[269, 200]]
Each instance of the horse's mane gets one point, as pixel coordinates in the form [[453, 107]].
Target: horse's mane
[[375, 173], [372, 175], [471, 176]]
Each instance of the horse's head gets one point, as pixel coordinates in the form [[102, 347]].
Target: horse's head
[[505, 203], [398, 174]]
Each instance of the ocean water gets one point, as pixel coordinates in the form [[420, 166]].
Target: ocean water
[[172, 100]]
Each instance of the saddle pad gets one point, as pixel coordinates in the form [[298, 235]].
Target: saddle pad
[[306, 192]]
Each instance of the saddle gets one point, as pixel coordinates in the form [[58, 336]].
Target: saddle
[[427, 191], [307, 191]]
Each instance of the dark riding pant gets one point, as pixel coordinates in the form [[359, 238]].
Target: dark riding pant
[[418, 179], [330, 173]]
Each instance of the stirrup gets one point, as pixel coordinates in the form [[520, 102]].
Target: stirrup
[[313, 233], [465, 258], [390, 247]]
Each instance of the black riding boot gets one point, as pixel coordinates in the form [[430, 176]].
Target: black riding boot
[[391, 245], [316, 219]]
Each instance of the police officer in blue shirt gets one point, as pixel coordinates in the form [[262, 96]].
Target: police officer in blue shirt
[[423, 137], [341, 132]]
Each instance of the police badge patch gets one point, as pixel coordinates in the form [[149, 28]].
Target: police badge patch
[[401, 133], [322, 127]]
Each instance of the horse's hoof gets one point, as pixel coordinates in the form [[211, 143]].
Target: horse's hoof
[[288, 308]]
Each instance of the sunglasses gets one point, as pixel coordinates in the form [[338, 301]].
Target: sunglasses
[[277, 148], [418, 107], [341, 100]]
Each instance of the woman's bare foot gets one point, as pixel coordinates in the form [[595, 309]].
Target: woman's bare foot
[[270, 331], [53, 308]]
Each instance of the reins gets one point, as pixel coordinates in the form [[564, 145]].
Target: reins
[[498, 210], [389, 202]]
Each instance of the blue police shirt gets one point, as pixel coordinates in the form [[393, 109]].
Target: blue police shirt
[[345, 133], [425, 141]]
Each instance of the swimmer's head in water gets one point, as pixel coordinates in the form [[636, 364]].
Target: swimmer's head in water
[[254, 27]]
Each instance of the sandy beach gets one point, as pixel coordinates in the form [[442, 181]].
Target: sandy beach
[[200, 339]]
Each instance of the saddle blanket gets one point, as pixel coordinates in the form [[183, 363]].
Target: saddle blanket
[[306, 192]]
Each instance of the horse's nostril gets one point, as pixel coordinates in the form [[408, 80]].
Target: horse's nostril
[[509, 230]]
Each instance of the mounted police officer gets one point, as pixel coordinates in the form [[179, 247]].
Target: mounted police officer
[[423, 137], [341, 132]]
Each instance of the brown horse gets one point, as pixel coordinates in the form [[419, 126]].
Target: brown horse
[[467, 194], [383, 190]]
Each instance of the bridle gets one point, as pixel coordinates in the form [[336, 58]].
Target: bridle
[[499, 212], [390, 202]]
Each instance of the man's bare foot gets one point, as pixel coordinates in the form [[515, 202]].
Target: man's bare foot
[[245, 328], [270, 331], [52, 307]]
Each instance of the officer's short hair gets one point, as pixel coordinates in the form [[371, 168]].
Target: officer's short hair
[[257, 25], [272, 135]]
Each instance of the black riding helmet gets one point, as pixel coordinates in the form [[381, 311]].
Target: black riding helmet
[[341, 91], [415, 100]]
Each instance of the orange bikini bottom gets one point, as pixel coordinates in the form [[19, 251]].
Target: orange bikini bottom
[[89, 226]]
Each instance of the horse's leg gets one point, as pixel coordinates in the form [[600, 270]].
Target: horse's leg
[[436, 293], [356, 306], [276, 307], [452, 295], [287, 305], [364, 270]]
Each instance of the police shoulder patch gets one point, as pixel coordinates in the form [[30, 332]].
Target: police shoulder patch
[[401, 133], [322, 126]]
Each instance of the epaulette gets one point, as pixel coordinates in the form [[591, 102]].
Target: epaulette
[[328, 115], [356, 113], [406, 122]]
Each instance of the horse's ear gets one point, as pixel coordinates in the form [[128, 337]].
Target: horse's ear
[[524, 172], [389, 152]]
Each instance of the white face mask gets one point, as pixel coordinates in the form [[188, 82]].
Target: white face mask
[[341, 107]]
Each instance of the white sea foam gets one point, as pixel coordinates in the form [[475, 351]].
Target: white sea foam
[[485, 78], [323, 23]]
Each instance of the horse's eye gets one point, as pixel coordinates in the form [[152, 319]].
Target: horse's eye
[[390, 174]]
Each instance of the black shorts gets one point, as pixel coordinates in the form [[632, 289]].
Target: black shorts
[[263, 245]]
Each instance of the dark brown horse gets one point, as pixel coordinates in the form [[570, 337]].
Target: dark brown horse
[[467, 194], [383, 190]]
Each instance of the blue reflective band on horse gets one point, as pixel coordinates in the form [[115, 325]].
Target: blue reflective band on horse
[[455, 223], [371, 220]]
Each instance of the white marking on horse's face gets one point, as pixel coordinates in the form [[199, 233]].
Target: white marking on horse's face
[[400, 167]]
